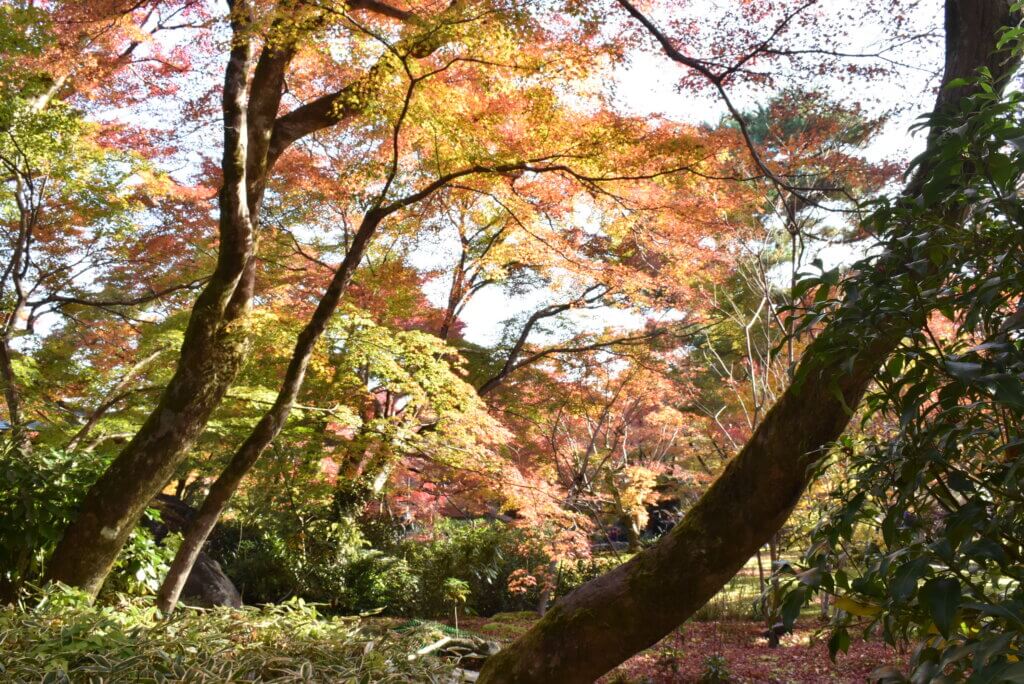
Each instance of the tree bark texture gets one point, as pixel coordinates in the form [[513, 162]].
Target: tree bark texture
[[212, 351]]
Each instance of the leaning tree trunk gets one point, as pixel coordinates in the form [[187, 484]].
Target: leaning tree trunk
[[269, 426], [215, 341], [632, 607], [273, 420]]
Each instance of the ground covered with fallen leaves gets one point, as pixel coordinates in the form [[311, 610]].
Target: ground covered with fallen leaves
[[802, 657], [736, 647]]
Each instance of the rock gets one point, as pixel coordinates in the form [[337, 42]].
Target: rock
[[470, 653], [207, 586], [175, 516]]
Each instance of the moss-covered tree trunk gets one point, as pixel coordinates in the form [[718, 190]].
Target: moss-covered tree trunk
[[215, 339], [632, 607]]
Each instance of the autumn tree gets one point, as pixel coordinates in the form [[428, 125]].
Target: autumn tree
[[525, 165], [214, 345], [72, 266], [573, 642]]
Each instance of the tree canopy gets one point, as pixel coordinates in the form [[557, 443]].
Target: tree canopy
[[429, 309]]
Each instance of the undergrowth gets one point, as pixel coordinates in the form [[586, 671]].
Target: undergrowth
[[59, 637]]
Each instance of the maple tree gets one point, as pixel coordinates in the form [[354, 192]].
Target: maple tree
[[769, 473], [347, 186], [216, 335], [381, 208], [215, 340], [74, 211]]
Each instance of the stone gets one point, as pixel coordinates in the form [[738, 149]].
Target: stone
[[207, 586]]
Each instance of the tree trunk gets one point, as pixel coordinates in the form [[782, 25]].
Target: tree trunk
[[11, 394], [773, 558], [550, 583], [633, 606], [211, 354], [216, 337], [762, 599], [270, 424], [773, 596], [16, 270]]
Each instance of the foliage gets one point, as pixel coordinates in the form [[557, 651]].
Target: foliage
[[456, 591], [483, 555], [923, 540], [326, 562], [576, 572], [40, 491], [61, 638], [143, 563], [716, 670], [572, 425], [409, 577], [41, 488], [377, 581]]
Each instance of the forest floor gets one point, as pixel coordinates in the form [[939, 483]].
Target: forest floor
[[684, 655], [802, 657], [63, 638], [724, 635]]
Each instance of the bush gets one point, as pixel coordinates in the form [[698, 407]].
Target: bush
[[333, 566], [63, 639], [272, 562], [482, 554], [143, 563], [38, 496], [40, 491], [333, 555], [377, 581], [262, 570], [575, 573]]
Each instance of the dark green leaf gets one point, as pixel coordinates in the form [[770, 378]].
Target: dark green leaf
[[839, 641], [941, 598]]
